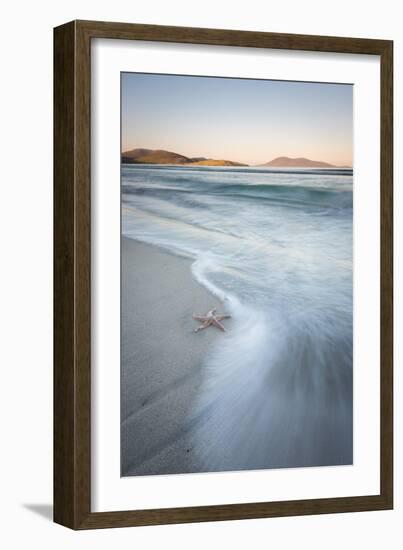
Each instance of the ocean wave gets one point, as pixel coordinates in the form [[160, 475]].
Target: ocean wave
[[276, 391], [287, 196]]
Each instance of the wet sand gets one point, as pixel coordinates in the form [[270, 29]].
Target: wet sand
[[162, 359]]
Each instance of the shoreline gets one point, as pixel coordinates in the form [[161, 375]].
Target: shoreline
[[162, 359]]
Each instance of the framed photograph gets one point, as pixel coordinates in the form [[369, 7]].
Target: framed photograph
[[222, 275]]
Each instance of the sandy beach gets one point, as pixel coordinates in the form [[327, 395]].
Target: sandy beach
[[162, 359]]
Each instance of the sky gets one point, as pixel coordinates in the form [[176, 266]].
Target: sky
[[243, 120]]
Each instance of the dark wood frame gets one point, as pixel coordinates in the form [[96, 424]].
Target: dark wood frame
[[72, 290]]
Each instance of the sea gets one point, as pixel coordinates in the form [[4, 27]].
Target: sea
[[276, 246]]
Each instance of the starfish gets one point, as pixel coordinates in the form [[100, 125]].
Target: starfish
[[210, 319]]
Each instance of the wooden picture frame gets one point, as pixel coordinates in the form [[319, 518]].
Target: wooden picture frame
[[72, 271]]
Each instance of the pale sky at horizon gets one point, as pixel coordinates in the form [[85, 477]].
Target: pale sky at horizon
[[243, 120]]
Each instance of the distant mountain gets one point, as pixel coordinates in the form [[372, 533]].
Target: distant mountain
[[153, 156], [159, 156], [287, 162]]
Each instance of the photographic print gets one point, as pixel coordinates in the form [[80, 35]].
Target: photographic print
[[236, 274]]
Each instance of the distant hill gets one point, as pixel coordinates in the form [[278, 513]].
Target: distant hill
[[153, 156], [159, 156], [287, 162]]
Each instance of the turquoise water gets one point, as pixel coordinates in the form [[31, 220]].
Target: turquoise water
[[276, 247]]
